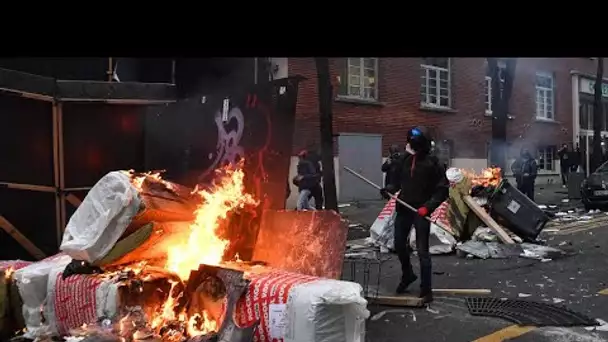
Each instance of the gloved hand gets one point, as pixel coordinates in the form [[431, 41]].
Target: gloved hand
[[423, 211], [384, 193]]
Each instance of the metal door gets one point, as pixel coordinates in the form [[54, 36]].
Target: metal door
[[362, 153]]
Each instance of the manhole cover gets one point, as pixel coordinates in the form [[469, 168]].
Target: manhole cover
[[525, 312]]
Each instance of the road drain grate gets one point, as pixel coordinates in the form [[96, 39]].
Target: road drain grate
[[526, 312]]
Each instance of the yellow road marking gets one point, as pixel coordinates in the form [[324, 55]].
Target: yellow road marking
[[603, 292], [506, 333]]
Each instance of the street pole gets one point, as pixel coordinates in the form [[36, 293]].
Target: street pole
[[598, 114], [326, 129]]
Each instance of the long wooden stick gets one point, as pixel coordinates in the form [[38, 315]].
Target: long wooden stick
[[75, 201], [488, 220], [358, 175], [32, 187], [21, 239]]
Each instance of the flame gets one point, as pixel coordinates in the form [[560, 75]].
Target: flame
[[203, 246], [206, 325], [200, 245], [490, 176], [8, 272]]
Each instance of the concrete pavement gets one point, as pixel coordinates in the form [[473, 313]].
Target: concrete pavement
[[575, 282]]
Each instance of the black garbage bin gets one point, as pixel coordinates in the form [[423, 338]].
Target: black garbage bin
[[524, 217]]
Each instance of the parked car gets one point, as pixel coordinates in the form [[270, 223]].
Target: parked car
[[594, 189]]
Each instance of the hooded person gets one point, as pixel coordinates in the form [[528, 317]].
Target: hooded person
[[525, 170], [423, 185], [391, 166]]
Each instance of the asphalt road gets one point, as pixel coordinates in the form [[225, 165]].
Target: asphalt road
[[572, 281]]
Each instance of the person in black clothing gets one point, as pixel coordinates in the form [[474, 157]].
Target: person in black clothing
[[390, 166], [565, 163], [525, 170], [423, 185], [306, 180], [317, 191]]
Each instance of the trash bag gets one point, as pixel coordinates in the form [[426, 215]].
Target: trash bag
[[446, 244], [382, 231], [102, 218]]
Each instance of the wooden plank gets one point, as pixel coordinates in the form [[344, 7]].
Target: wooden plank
[[32, 187], [56, 166], [488, 220], [75, 201], [23, 241], [463, 291], [409, 301], [60, 156], [82, 188]]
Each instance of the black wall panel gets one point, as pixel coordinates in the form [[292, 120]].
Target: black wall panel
[[101, 138], [33, 214], [26, 141]]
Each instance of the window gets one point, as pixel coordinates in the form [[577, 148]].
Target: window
[[360, 79], [435, 82], [585, 112], [544, 96], [502, 69], [546, 158]]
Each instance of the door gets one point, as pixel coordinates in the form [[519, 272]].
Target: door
[[362, 153]]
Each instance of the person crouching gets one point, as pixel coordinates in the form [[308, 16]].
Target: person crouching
[[423, 185]]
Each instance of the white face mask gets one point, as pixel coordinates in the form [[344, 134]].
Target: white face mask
[[409, 150]]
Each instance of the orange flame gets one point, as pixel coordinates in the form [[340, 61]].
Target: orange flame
[[203, 245], [8, 272], [490, 176]]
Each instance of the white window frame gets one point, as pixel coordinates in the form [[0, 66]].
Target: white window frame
[[544, 152], [547, 95], [426, 69], [361, 95], [501, 66], [488, 101]]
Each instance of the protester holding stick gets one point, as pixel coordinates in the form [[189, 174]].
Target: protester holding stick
[[424, 186]]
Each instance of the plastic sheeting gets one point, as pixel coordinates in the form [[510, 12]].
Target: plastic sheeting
[[32, 282], [102, 218], [326, 311]]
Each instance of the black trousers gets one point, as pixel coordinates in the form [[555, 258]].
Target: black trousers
[[527, 188], [565, 171], [317, 193], [403, 224]]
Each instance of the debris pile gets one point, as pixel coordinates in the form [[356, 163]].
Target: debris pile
[[146, 259], [484, 217]]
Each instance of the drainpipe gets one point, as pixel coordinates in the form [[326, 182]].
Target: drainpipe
[[255, 70]]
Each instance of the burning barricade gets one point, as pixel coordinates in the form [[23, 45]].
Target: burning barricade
[[482, 212], [145, 259]]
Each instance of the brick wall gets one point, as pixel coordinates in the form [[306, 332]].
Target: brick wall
[[467, 126]]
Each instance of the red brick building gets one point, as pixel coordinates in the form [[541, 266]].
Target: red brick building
[[384, 97]]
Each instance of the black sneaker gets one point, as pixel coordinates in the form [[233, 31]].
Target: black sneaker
[[405, 283], [426, 296]]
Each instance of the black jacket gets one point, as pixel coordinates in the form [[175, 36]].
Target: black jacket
[[391, 168], [524, 166], [565, 158], [309, 176], [422, 182]]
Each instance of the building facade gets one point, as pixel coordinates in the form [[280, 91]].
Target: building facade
[[378, 99]]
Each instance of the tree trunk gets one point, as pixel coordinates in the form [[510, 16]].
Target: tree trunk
[[501, 94], [327, 137], [598, 114]]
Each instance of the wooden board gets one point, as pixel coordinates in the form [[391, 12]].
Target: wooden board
[[410, 301], [463, 291], [488, 220]]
